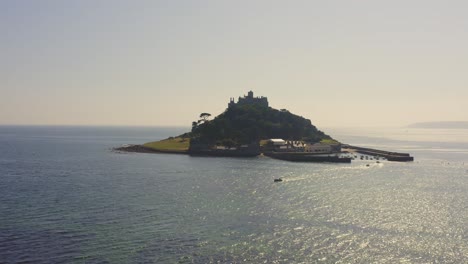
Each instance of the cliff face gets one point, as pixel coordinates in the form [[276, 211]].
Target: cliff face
[[247, 123]]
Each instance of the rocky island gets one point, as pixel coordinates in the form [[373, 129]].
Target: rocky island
[[248, 128]]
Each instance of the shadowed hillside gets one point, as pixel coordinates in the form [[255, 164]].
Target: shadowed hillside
[[247, 123]]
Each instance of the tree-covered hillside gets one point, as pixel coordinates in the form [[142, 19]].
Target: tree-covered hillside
[[244, 124]]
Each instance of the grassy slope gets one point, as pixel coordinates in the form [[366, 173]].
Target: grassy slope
[[329, 141], [170, 144], [179, 144]]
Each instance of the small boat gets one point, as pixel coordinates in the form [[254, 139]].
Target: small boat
[[278, 180]]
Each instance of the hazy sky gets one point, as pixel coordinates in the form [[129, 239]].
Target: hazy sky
[[162, 63]]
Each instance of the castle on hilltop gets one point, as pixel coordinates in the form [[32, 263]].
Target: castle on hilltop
[[249, 100]]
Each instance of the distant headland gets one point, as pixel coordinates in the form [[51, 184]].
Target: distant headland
[[441, 125], [250, 127]]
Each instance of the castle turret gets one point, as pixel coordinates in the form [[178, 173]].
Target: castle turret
[[249, 100], [231, 102]]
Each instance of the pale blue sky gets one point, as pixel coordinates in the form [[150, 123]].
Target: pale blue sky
[[338, 63]]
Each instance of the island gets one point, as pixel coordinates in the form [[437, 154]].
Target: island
[[249, 127]]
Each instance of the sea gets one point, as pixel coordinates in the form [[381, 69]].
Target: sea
[[67, 197]]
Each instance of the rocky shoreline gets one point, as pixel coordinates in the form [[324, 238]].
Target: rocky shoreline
[[303, 157], [143, 149]]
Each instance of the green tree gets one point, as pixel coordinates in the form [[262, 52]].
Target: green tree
[[204, 116], [194, 126]]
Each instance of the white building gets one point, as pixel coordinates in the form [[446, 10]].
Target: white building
[[318, 148], [277, 142]]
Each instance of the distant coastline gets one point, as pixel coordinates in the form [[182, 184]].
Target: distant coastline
[[441, 125]]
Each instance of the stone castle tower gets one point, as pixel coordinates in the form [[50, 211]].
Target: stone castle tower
[[249, 100]]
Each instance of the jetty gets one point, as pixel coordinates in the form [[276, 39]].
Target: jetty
[[390, 156]]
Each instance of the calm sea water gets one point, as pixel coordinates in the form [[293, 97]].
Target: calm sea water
[[65, 197]]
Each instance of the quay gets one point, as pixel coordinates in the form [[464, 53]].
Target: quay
[[390, 156]]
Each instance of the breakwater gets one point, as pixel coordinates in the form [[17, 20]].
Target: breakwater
[[390, 156]]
